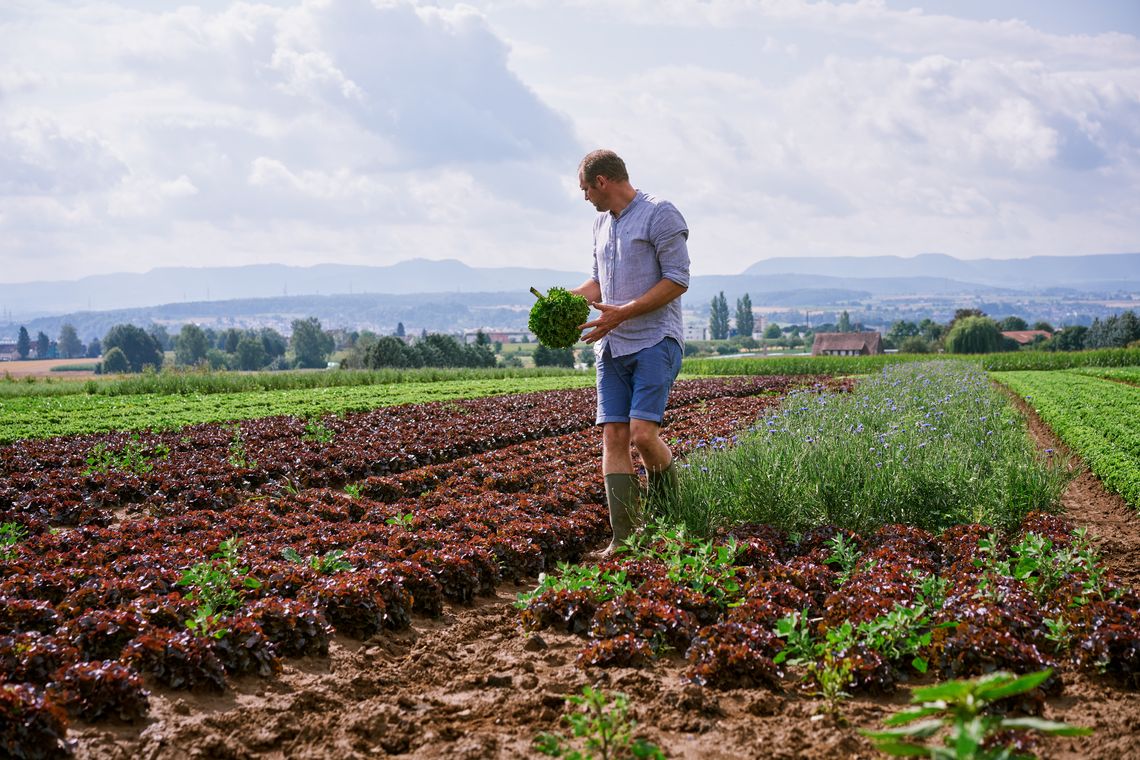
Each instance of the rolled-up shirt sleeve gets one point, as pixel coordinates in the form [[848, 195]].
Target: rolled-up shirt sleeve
[[670, 234]]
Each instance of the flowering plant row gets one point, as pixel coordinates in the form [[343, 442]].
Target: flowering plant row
[[223, 567]]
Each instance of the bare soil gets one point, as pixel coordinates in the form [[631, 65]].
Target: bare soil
[[473, 685]]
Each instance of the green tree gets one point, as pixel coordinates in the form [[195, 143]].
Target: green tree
[[718, 317], [43, 345], [400, 330], [553, 357], [1043, 325], [161, 336], [914, 345], [974, 335], [1010, 324], [745, 321], [311, 345], [250, 353], [931, 330], [773, 332], [481, 338], [1068, 339], [388, 351], [228, 340], [586, 355], [139, 346], [844, 323], [115, 362], [23, 343], [70, 346], [94, 348], [273, 342], [900, 331], [190, 346]]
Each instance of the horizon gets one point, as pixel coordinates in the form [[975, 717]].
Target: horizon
[[357, 133], [476, 266]]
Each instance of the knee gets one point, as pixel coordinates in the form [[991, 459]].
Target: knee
[[644, 436], [615, 436]]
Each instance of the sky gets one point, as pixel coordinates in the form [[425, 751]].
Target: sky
[[136, 135]]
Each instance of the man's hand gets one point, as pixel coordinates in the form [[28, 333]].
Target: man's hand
[[611, 316]]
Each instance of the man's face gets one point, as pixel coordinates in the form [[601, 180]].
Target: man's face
[[593, 191]]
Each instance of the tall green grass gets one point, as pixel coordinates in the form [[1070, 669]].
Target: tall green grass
[[197, 382], [866, 365], [931, 445]]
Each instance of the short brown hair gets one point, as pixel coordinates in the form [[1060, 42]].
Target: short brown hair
[[603, 163]]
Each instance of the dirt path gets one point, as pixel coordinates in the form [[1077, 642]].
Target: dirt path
[[473, 685]]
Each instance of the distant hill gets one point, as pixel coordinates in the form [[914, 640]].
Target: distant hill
[[194, 284], [450, 295], [1031, 273]]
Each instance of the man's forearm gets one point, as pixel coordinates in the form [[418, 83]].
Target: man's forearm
[[590, 290], [654, 298]]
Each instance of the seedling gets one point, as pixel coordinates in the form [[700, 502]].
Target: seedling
[[11, 533], [317, 431], [210, 584], [961, 706], [844, 554], [604, 726], [403, 520], [330, 564], [603, 585], [134, 457], [238, 456], [353, 490]]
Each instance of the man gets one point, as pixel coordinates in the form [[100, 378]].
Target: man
[[641, 268]]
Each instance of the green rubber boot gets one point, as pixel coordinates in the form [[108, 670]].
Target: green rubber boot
[[623, 497]]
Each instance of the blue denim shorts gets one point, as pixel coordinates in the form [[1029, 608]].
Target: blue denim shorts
[[637, 385]]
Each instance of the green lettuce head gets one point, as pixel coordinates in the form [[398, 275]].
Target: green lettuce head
[[555, 317]]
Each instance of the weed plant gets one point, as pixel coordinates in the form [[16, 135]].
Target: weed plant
[[963, 707], [603, 727], [930, 445]]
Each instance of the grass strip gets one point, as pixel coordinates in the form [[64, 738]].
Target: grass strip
[[45, 417], [1095, 417], [931, 445]]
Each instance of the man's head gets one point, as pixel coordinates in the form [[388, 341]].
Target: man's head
[[604, 181], [602, 163]]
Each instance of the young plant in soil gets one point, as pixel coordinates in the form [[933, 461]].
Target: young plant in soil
[[11, 533], [962, 707], [210, 585], [331, 563], [605, 728]]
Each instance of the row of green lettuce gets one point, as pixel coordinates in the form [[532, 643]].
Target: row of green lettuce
[[1096, 414], [45, 417]]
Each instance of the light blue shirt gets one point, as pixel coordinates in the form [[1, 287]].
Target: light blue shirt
[[644, 244]]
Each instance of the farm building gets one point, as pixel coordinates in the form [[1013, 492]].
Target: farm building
[[847, 344], [1025, 337]]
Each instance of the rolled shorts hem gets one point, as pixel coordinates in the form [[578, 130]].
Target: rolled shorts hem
[[611, 418], [647, 416]]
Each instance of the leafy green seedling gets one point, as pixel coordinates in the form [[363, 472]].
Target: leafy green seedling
[[604, 726], [960, 706], [331, 563], [11, 533], [211, 586], [403, 520]]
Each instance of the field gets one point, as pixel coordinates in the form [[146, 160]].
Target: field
[[44, 368], [1096, 413], [297, 579]]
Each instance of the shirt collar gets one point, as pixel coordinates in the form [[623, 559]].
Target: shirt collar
[[638, 196]]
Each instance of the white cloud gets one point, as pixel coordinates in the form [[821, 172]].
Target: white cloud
[[370, 131]]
